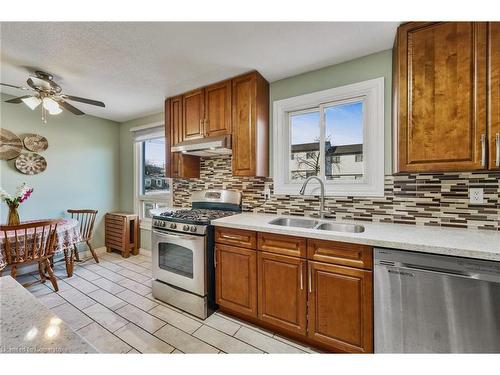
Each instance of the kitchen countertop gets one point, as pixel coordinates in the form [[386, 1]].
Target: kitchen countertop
[[470, 243], [27, 326]]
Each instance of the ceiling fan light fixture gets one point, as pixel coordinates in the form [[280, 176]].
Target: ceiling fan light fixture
[[55, 111], [51, 106], [32, 102]]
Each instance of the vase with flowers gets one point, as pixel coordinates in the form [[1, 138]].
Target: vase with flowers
[[23, 192]]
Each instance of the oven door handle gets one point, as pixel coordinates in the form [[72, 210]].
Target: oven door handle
[[178, 236]]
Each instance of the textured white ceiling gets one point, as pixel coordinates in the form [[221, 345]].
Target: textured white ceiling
[[133, 66]]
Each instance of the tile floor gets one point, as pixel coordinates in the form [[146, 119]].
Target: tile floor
[[110, 304]]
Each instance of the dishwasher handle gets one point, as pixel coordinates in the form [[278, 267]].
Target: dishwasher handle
[[437, 271]]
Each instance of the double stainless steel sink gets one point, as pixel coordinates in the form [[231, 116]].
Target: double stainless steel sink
[[317, 224]]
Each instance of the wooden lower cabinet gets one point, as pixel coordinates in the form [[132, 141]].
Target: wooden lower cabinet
[[236, 279], [341, 307], [282, 292]]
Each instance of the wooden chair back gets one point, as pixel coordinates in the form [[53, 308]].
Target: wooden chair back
[[86, 218], [28, 242]]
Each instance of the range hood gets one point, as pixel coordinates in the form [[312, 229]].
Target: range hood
[[206, 147]]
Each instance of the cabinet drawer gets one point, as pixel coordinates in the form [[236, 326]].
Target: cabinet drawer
[[280, 244], [236, 237], [345, 254]]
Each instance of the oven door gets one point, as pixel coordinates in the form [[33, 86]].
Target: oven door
[[180, 260]]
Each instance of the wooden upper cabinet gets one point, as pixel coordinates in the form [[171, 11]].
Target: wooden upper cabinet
[[218, 109], [341, 307], [236, 279], [440, 97], [176, 120], [494, 93], [193, 112], [282, 292], [250, 125]]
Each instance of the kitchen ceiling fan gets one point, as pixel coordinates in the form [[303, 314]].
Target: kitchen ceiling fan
[[49, 94]]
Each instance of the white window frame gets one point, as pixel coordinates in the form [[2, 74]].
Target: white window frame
[[139, 198], [371, 92]]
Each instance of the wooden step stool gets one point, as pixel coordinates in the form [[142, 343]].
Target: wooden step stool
[[122, 233]]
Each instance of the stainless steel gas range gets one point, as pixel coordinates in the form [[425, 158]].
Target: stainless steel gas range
[[183, 251]]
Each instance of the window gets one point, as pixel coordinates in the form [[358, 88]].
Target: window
[[152, 187], [329, 132]]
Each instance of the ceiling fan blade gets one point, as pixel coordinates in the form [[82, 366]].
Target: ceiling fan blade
[[84, 100], [16, 87], [18, 99], [70, 108]]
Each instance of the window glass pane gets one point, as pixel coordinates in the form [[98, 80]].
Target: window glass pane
[[153, 167], [344, 141], [304, 158]]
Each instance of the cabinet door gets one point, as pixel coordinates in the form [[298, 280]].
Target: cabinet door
[[236, 279], [282, 291], [176, 120], [494, 93], [218, 109], [341, 307], [441, 97], [193, 104], [174, 165]]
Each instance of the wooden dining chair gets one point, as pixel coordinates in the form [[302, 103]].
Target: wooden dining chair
[[86, 218], [30, 243]]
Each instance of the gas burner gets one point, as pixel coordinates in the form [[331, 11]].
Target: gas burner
[[199, 215]]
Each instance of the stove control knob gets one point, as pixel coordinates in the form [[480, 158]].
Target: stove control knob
[[163, 224], [185, 228], [155, 223], [192, 228], [173, 226]]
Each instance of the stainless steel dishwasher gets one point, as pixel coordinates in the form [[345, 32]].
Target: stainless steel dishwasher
[[427, 303]]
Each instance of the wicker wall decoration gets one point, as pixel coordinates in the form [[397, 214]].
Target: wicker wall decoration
[[35, 142], [10, 145], [31, 163]]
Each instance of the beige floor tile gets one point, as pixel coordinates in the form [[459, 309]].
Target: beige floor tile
[[133, 275], [85, 273], [77, 298], [51, 300], [143, 341], [39, 289], [183, 341], [61, 285], [27, 278], [175, 318], [72, 316], [177, 351], [246, 324], [135, 286], [138, 259], [107, 299], [108, 274], [224, 342], [132, 266], [103, 340], [105, 317], [264, 342], [147, 273], [108, 285], [148, 265], [111, 266], [133, 351], [225, 325], [296, 344], [82, 285], [137, 300], [141, 318]]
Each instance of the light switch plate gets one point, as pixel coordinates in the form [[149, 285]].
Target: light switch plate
[[476, 196]]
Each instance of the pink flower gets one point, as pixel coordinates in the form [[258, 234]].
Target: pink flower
[[26, 195]]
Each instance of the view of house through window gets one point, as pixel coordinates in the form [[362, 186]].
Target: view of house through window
[[341, 133], [154, 183]]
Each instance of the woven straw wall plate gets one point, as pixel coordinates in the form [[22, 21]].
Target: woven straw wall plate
[[35, 142], [31, 163], [10, 145]]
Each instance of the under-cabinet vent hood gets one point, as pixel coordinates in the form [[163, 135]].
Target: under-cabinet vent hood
[[206, 147]]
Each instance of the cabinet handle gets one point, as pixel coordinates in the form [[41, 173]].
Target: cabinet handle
[[483, 150], [309, 276], [497, 140], [301, 277]]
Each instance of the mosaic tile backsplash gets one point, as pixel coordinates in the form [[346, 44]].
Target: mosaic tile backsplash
[[439, 199]]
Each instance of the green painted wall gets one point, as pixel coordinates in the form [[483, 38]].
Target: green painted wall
[[83, 161], [361, 69], [127, 168]]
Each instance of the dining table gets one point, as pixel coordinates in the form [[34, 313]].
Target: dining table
[[67, 236]]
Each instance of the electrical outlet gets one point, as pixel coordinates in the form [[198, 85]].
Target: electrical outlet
[[476, 196], [267, 191]]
